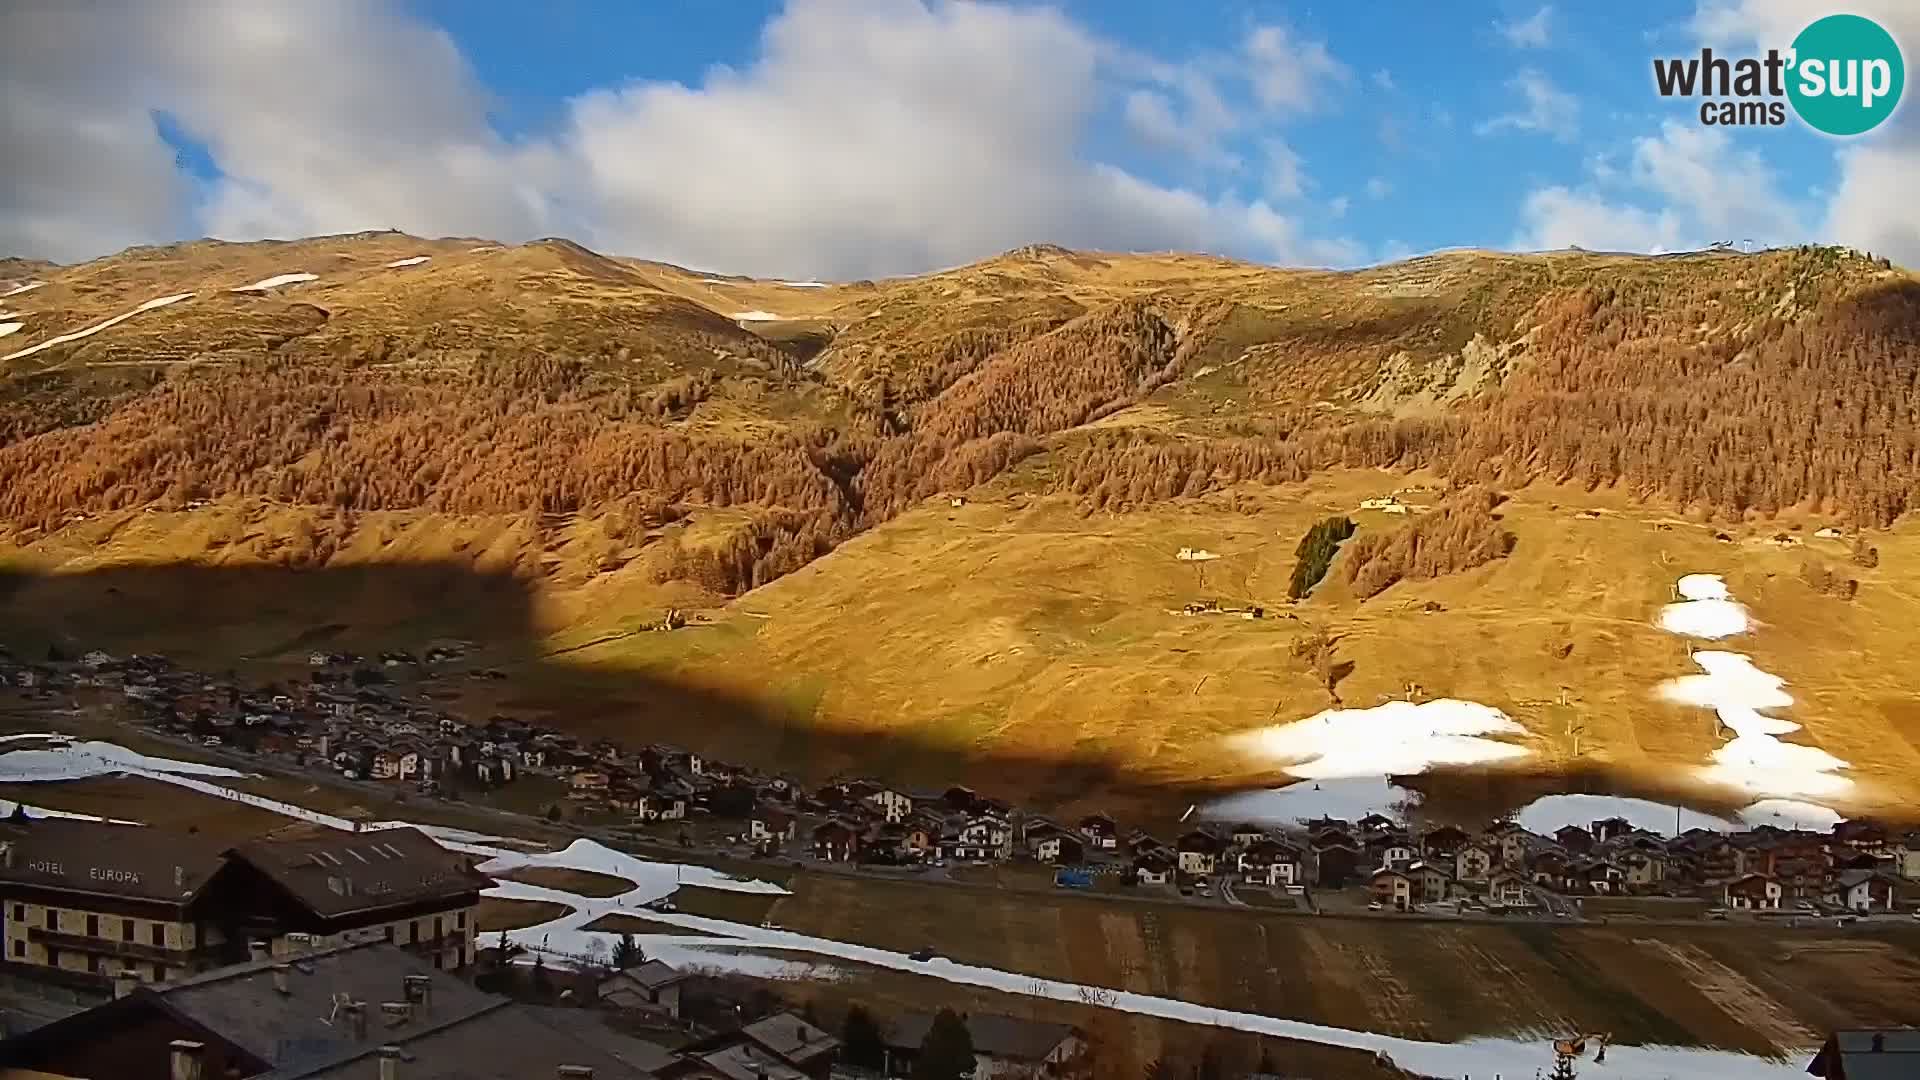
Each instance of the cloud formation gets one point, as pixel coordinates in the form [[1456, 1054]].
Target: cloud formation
[[1545, 109], [1533, 32], [1686, 187], [863, 139]]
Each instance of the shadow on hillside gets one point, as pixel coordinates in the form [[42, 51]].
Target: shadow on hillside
[[264, 621]]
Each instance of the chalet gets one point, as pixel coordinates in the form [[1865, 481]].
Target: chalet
[[661, 805], [1611, 828], [1100, 831], [1643, 869], [1394, 888], [1752, 892], [1443, 842], [1271, 863], [1393, 851], [1431, 882], [989, 834], [1514, 842], [1574, 839], [1509, 888], [1868, 1055], [1335, 862], [1061, 849], [1375, 823], [792, 1042], [1907, 857], [1473, 862], [1862, 834], [770, 825], [1197, 852], [891, 805], [1601, 877], [1153, 867], [1246, 834], [1548, 869], [325, 1015], [650, 987], [1003, 1046], [588, 784], [1861, 890], [836, 840]]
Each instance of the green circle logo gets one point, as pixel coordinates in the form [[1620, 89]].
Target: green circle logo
[[1847, 75]]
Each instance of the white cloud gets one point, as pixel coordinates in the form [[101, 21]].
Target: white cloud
[[1533, 32], [1383, 79], [1289, 73], [1871, 204], [1684, 188], [1378, 187], [1548, 110], [1338, 205], [863, 138]]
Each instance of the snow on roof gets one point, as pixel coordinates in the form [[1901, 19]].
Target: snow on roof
[[276, 281]]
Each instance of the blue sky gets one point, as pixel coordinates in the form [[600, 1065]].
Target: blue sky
[[863, 137]]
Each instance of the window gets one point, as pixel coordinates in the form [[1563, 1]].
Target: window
[[19, 913], [436, 960], [460, 920], [94, 965], [160, 935], [93, 926], [389, 933], [159, 973], [53, 918], [438, 930], [19, 947], [413, 932], [126, 930]]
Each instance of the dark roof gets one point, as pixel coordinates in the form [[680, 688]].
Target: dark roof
[[343, 872], [1007, 1037], [791, 1037], [129, 861], [1897, 1059], [652, 975], [292, 1030]]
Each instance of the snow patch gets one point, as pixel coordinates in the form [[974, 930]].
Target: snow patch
[[86, 759], [1551, 812], [97, 327], [276, 281], [1397, 738], [18, 289], [415, 261], [1755, 761], [10, 328], [802, 284], [1707, 609], [1352, 798], [1790, 814], [754, 316]]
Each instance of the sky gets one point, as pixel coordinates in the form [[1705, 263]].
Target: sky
[[843, 139]]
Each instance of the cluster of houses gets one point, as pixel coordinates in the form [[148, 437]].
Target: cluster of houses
[[351, 714]]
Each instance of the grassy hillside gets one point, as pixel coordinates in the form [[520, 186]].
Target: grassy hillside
[[612, 437]]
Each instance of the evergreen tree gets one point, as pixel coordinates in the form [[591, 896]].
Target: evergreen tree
[[947, 1051], [626, 953], [861, 1042]]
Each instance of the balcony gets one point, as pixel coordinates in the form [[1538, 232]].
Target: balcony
[[128, 950]]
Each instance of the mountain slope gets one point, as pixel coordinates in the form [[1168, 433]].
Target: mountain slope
[[624, 436]]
